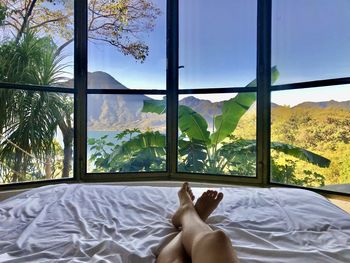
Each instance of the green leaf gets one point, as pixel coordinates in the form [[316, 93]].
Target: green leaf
[[301, 154], [274, 76], [234, 109], [232, 112], [193, 125], [154, 106], [91, 141], [193, 156]]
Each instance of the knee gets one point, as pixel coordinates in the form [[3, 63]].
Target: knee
[[215, 238], [220, 236]]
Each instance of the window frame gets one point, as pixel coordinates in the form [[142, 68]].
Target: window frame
[[172, 92]]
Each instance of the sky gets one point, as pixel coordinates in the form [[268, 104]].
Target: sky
[[310, 41]]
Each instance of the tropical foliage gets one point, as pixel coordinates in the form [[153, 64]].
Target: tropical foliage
[[200, 151], [33, 35], [30, 119], [321, 130]]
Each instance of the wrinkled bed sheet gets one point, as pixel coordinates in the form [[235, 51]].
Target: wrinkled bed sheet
[[105, 223]]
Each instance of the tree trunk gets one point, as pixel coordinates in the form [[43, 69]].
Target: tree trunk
[[48, 168], [25, 20], [68, 135], [67, 154], [17, 166]]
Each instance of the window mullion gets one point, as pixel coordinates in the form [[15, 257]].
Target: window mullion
[[172, 76], [263, 92], [80, 82]]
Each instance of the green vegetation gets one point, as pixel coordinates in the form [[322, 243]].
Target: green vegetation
[[321, 130], [30, 120], [34, 34], [200, 151]]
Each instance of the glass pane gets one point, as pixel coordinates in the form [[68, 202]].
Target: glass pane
[[217, 43], [311, 39], [126, 133], [217, 134], [316, 120], [36, 136], [127, 44], [38, 50]]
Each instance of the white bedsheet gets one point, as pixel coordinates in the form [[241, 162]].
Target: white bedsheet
[[105, 223]]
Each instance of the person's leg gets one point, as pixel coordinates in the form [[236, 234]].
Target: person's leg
[[174, 251], [202, 243]]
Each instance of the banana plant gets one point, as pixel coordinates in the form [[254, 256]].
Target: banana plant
[[137, 151], [201, 151]]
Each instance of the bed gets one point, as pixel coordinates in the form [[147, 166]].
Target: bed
[[108, 223]]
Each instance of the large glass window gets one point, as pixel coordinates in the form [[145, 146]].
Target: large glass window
[[36, 42], [180, 96], [310, 137], [127, 57], [217, 43], [36, 140], [126, 133], [217, 134], [127, 40], [310, 121], [36, 90], [310, 39]]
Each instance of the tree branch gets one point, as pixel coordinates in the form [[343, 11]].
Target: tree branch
[[59, 50], [25, 20]]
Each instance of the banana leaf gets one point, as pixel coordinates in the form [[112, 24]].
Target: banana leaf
[[193, 125], [233, 110], [154, 106], [301, 154]]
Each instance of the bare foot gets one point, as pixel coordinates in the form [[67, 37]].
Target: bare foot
[[207, 203], [186, 198]]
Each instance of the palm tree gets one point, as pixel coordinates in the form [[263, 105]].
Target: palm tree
[[30, 119]]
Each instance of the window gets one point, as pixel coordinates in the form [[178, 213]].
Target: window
[[217, 134], [310, 41], [127, 58], [217, 88], [315, 122], [36, 90], [241, 91], [310, 101]]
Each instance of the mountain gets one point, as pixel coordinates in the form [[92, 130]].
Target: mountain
[[206, 108], [325, 104], [117, 112], [120, 112]]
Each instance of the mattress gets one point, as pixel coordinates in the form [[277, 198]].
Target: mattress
[[106, 223]]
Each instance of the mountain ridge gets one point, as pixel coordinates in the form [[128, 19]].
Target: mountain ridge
[[119, 112]]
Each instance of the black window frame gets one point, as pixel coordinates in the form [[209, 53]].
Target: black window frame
[[172, 92]]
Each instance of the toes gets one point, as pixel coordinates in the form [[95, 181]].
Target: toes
[[219, 197], [191, 194]]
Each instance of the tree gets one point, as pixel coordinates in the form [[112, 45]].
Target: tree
[[119, 23], [29, 119]]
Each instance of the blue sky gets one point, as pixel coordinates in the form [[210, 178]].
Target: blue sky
[[311, 41]]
